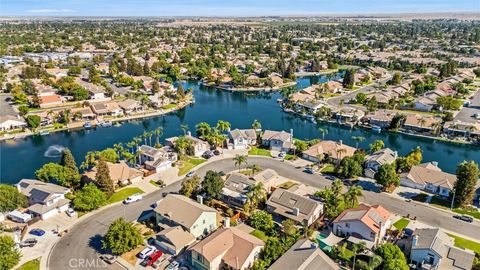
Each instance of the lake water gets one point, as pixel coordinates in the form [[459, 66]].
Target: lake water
[[19, 159]]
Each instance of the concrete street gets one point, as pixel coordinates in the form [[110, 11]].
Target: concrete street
[[83, 242]]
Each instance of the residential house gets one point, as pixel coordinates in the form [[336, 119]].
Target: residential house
[[428, 101], [377, 159], [365, 222], [434, 249], [199, 146], [10, 122], [226, 248], [82, 113], [96, 92], [304, 211], [236, 188], [174, 240], [120, 173], [130, 106], [158, 100], [304, 255], [194, 217], [378, 72], [268, 177], [110, 108], [328, 149], [429, 177], [381, 118], [422, 124], [278, 140], [157, 159], [45, 199], [463, 129], [333, 86], [48, 101], [242, 138]]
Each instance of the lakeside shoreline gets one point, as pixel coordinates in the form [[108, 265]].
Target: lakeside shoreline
[[24, 135], [253, 89]]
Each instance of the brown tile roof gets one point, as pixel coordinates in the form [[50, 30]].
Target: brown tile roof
[[371, 216], [430, 173], [330, 148]]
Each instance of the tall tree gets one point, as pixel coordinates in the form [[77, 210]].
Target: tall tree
[[377, 145], [213, 184], [387, 176], [239, 160], [68, 160], [103, 179], [121, 237], [9, 254], [89, 198], [393, 257], [190, 186], [467, 180], [11, 198], [351, 196]]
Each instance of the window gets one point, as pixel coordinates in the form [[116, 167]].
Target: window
[[204, 221]]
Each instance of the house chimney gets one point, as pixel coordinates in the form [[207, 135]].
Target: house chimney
[[414, 240], [226, 223], [200, 199], [189, 133], [341, 142], [435, 163], [313, 245], [291, 134], [295, 211], [395, 154]]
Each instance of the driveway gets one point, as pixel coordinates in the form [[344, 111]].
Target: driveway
[[84, 239], [465, 114], [5, 107]]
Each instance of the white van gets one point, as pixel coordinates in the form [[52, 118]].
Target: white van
[[133, 198], [146, 252]]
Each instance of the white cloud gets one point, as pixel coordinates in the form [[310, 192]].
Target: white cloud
[[48, 10]]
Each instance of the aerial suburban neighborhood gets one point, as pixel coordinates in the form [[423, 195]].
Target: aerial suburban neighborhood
[[255, 137]]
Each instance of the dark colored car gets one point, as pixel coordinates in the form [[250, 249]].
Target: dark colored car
[[37, 232], [110, 259], [30, 242], [308, 170], [465, 218], [216, 152]]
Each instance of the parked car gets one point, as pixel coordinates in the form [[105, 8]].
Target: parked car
[[158, 262], [30, 242], [308, 170], [70, 212], [133, 198], [110, 259], [146, 252], [173, 266], [466, 218], [281, 154], [190, 174], [216, 152], [330, 177], [37, 232], [208, 154], [152, 258]]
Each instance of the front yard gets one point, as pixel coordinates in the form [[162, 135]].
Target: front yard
[[259, 151], [123, 194], [188, 163], [465, 243], [30, 265], [401, 224]]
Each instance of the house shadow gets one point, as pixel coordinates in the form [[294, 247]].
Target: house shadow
[[407, 194], [145, 215], [368, 185], [95, 242]]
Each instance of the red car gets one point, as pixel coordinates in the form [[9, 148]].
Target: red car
[[152, 258]]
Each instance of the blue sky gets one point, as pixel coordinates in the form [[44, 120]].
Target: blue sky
[[226, 7]]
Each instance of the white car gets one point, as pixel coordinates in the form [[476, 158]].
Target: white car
[[70, 212], [133, 198], [146, 252], [173, 266]]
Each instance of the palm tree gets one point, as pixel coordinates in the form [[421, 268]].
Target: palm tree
[[357, 140], [254, 168], [323, 131], [130, 146], [422, 121], [223, 126], [203, 129], [256, 124], [150, 134], [239, 160], [118, 148], [256, 195], [340, 151], [351, 196], [145, 136], [158, 133], [184, 128]]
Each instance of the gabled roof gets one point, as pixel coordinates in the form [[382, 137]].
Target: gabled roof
[[39, 191], [233, 244], [304, 255], [430, 173], [181, 210], [239, 183], [372, 216], [176, 237], [276, 135], [384, 156], [330, 148], [284, 201], [243, 133]]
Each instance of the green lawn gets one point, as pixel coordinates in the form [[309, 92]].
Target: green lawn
[[259, 234], [123, 194], [188, 163], [401, 224], [259, 152], [287, 185], [465, 243], [329, 168], [169, 106], [30, 265]]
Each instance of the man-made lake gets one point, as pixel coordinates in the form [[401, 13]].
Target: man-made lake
[[19, 159]]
